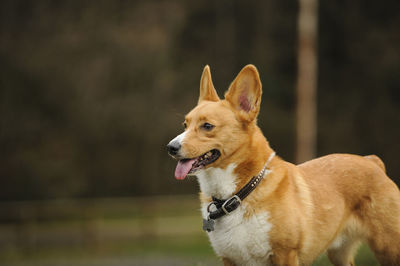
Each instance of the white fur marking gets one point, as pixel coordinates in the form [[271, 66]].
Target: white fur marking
[[337, 242], [179, 138], [244, 241], [217, 182]]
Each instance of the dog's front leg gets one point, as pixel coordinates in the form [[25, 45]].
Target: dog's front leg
[[285, 258]]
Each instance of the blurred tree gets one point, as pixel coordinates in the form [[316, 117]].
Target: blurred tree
[[90, 93], [306, 111]]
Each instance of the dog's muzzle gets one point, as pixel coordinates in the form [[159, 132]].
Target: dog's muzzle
[[173, 148]]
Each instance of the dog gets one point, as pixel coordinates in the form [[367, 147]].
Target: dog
[[261, 210]]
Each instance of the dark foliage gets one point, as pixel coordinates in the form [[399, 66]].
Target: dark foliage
[[91, 91]]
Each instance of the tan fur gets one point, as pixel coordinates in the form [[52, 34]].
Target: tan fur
[[330, 203]]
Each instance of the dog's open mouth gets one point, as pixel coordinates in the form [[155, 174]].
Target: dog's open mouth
[[189, 166]]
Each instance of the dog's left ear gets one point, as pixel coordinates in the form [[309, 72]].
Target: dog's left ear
[[244, 94], [207, 90]]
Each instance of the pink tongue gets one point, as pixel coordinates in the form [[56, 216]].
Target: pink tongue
[[183, 168]]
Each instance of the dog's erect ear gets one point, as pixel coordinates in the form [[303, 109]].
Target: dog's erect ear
[[207, 90], [244, 94]]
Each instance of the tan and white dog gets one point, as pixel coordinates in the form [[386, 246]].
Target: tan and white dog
[[293, 213]]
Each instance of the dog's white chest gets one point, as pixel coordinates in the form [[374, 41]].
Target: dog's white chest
[[245, 241], [242, 239]]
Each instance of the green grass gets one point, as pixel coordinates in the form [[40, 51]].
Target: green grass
[[144, 230], [364, 258], [149, 231]]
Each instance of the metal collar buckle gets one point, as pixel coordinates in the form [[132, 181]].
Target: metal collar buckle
[[209, 206], [232, 200]]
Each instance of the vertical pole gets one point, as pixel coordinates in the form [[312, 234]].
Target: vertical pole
[[306, 112]]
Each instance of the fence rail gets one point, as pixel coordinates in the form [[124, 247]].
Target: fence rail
[[96, 225]]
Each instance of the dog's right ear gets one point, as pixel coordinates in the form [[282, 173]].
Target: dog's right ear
[[207, 90]]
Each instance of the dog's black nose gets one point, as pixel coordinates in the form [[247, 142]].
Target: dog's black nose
[[173, 147]]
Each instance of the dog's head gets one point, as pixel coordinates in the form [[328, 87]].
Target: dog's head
[[217, 130]]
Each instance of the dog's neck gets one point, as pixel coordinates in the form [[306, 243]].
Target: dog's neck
[[224, 182], [218, 182]]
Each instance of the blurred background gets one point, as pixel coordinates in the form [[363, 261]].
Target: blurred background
[[92, 91]]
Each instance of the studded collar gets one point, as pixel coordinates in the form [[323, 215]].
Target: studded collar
[[224, 207]]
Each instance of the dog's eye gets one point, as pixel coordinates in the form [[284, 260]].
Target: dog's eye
[[207, 126], [184, 125]]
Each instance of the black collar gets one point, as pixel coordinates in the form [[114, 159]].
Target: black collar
[[224, 207]]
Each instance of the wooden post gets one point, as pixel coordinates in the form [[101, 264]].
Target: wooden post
[[306, 113]]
